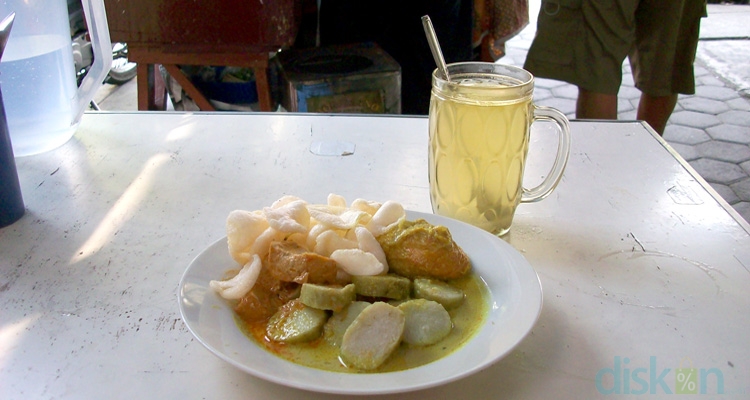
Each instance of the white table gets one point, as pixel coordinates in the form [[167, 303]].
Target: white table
[[638, 258]]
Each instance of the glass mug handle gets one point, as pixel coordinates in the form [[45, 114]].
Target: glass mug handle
[[541, 113]]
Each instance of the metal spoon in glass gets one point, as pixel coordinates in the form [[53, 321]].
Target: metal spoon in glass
[[435, 47]]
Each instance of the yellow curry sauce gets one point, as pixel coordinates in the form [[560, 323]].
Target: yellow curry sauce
[[467, 319]]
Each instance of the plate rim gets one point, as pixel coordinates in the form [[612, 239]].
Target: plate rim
[[519, 261]]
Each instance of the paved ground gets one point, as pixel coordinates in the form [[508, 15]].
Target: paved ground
[[710, 129]]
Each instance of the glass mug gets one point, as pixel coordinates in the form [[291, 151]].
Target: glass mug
[[479, 138]]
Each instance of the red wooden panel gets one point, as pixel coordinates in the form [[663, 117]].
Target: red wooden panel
[[204, 22]]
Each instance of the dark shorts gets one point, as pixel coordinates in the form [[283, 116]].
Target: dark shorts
[[584, 42]]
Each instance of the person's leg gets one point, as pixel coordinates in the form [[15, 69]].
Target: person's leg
[[656, 110], [584, 43], [592, 105], [663, 56]]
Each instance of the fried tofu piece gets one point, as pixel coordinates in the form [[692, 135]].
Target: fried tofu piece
[[289, 262], [266, 296]]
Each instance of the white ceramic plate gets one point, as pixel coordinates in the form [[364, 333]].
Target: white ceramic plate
[[515, 292]]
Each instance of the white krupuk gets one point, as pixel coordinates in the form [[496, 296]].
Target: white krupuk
[[357, 262], [239, 285], [345, 234]]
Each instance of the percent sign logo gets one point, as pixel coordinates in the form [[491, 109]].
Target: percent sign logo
[[686, 378]]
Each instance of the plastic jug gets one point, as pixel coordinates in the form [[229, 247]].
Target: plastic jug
[[37, 73]]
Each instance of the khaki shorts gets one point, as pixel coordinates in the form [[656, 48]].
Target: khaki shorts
[[584, 42]]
